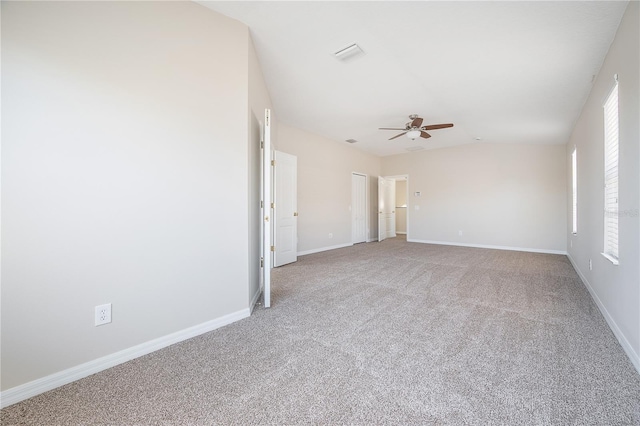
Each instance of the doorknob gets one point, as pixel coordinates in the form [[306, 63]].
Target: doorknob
[[295, 214]]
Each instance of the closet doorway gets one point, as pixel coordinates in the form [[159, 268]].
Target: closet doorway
[[402, 191], [393, 210], [359, 226]]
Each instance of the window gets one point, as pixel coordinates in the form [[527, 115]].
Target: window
[[611, 175], [574, 183]]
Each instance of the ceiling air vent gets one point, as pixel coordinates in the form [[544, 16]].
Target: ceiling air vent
[[414, 148], [351, 140], [349, 52]]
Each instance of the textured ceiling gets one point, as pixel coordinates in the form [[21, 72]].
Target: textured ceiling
[[506, 72]]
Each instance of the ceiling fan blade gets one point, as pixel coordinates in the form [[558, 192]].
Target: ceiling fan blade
[[417, 122], [425, 135], [397, 136], [436, 126], [389, 128]]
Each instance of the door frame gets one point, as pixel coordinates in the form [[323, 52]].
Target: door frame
[[409, 203], [406, 178], [266, 210], [366, 206], [383, 183]]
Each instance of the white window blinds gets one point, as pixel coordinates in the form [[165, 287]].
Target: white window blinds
[[574, 186], [611, 174]]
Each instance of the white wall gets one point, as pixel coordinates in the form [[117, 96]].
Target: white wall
[[501, 195], [324, 187], [124, 177], [615, 288]]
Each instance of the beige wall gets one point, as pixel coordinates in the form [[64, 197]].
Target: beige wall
[[615, 288], [124, 177], [324, 187], [501, 195]]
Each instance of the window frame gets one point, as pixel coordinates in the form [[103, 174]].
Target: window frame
[[611, 115], [574, 191]]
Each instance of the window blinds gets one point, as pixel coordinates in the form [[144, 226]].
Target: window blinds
[[574, 186], [611, 174]]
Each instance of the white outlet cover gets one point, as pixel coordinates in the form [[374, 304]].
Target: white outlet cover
[[103, 314]]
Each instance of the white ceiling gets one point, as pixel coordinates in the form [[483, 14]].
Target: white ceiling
[[506, 72]]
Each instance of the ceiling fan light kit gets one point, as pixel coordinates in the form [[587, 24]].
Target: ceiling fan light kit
[[412, 134], [414, 128]]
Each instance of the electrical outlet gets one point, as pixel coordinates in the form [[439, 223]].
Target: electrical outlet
[[103, 314], [460, 233], [590, 265], [330, 235]]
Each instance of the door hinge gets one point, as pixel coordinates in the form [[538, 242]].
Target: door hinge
[[273, 162], [261, 145], [273, 205], [261, 204], [262, 262], [273, 248]]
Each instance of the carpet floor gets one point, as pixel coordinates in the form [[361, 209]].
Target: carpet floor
[[380, 333]]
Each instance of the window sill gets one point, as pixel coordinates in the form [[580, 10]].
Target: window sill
[[610, 259]]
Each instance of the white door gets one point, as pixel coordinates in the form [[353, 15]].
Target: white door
[[266, 209], [386, 208], [358, 208], [285, 209], [391, 202]]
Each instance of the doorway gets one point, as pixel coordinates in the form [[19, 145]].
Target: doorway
[[393, 211], [359, 231], [386, 208], [401, 205]]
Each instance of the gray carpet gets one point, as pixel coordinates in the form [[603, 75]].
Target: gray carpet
[[381, 333]]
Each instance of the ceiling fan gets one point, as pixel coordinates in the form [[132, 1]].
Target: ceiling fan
[[414, 128]]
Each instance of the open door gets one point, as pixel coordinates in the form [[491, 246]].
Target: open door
[[285, 209], [386, 208], [358, 208], [266, 208]]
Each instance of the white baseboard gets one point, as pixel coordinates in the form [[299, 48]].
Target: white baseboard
[[372, 240], [255, 298], [304, 253], [448, 243], [401, 233], [628, 349], [44, 384]]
